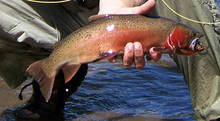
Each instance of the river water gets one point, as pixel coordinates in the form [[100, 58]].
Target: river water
[[154, 91], [218, 3]]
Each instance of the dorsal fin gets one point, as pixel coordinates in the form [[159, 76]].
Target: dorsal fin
[[58, 38], [104, 16], [97, 17]]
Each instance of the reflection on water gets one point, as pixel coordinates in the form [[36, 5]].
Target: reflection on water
[[112, 92]]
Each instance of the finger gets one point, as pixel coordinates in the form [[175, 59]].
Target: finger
[[144, 8], [155, 55], [128, 58], [112, 60], [139, 55]]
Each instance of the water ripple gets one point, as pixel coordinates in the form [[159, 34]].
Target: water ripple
[[152, 91]]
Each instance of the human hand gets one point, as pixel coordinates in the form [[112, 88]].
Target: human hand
[[125, 6], [133, 52]]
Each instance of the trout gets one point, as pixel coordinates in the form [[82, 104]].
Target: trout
[[106, 36]]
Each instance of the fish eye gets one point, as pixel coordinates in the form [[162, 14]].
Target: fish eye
[[193, 44]]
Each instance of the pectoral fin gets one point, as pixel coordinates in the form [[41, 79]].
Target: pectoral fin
[[162, 50], [69, 71]]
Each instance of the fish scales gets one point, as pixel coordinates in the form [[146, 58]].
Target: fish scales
[[126, 29]]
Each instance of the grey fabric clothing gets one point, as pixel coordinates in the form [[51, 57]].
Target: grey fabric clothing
[[29, 30], [201, 71]]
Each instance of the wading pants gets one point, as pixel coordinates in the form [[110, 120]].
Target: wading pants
[[201, 71]]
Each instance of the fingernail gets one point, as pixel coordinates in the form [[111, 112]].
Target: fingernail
[[130, 46], [137, 46]]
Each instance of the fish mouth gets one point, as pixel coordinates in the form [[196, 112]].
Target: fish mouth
[[196, 45]]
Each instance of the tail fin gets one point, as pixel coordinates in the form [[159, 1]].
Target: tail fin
[[45, 80]]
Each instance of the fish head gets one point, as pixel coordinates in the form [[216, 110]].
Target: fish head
[[186, 40]]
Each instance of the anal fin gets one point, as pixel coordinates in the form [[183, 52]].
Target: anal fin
[[69, 71]]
